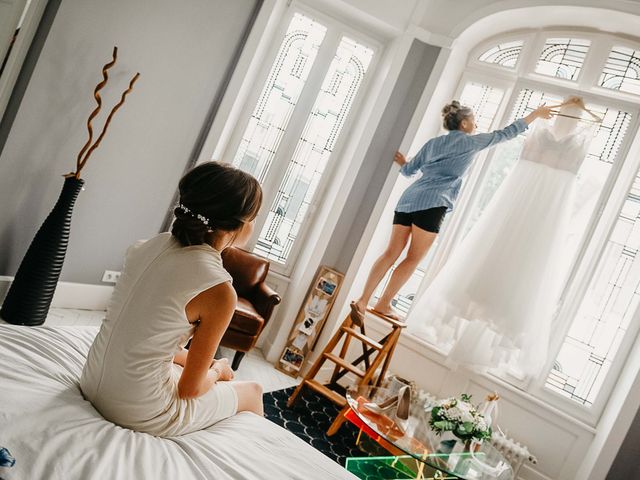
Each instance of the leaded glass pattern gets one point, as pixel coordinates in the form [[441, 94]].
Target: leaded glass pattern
[[484, 100], [610, 302], [505, 54], [596, 331], [320, 133], [279, 96], [603, 149], [622, 70], [506, 154], [563, 57]]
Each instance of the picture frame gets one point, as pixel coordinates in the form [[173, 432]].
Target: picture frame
[[310, 320]]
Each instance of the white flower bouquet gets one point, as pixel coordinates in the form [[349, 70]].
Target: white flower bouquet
[[460, 417]]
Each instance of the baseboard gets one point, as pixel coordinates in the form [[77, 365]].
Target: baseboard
[[79, 296]]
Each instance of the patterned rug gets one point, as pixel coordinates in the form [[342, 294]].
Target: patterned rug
[[310, 418]]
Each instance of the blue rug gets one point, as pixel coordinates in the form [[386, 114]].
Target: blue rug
[[310, 418]]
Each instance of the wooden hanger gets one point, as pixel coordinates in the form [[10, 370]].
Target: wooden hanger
[[576, 101]]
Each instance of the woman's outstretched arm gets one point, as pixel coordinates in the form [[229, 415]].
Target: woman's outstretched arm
[[212, 309], [486, 140]]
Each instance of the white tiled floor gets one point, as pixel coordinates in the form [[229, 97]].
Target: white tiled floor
[[253, 367]]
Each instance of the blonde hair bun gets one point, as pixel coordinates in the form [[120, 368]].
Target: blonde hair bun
[[451, 108]]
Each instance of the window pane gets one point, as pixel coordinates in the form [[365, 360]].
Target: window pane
[[506, 154], [612, 297], [484, 100], [622, 70], [563, 57], [505, 54], [319, 136], [279, 96], [593, 172]]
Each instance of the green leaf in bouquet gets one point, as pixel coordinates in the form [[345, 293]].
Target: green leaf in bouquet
[[444, 425]]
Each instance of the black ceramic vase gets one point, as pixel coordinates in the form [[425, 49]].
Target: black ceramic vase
[[31, 292]]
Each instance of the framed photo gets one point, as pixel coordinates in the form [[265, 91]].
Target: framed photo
[[292, 358], [310, 320], [326, 286]]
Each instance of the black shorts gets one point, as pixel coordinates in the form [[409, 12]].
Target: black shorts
[[429, 220]]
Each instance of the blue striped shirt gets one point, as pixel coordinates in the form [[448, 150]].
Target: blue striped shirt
[[443, 162]]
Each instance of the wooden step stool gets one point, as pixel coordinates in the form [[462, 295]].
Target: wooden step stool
[[374, 354]]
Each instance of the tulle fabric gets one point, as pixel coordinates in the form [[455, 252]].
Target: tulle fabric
[[493, 302]]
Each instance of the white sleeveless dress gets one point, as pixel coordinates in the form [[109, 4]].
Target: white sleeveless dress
[[493, 302], [129, 376]]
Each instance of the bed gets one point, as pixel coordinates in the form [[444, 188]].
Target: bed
[[54, 433]]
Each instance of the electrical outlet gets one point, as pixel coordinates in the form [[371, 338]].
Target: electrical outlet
[[110, 276]]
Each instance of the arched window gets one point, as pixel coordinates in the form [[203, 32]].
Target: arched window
[[503, 54], [597, 321]]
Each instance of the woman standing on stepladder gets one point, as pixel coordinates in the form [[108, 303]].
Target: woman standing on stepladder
[[443, 161]]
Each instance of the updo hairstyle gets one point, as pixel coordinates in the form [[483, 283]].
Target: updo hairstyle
[[453, 114], [226, 196]]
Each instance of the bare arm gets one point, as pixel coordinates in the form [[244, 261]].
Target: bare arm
[[180, 358], [213, 310], [541, 112], [409, 167]]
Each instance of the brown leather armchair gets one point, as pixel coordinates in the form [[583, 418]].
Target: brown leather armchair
[[256, 300]]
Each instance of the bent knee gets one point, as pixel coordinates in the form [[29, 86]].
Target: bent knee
[[256, 389]]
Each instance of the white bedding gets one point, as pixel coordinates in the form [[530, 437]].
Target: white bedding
[[54, 433]]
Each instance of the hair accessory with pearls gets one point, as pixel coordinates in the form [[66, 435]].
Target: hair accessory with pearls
[[200, 217]]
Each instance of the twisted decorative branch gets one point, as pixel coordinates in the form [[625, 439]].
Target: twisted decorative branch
[[106, 123], [81, 161], [94, 113]]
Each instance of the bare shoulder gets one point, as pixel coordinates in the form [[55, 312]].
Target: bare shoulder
[[220, 299]]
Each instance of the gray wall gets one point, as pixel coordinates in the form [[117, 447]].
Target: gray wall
[[183, 51], [379, 158], [626, 466]]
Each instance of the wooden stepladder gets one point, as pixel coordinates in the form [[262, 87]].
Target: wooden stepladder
[[374, 354]]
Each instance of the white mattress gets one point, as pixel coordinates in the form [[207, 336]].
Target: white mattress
[[54, 433]]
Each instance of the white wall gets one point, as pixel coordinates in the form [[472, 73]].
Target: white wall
[[182, 50]]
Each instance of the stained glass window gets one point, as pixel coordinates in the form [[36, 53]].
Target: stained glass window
[[324, 124], [504, 54], [588, 350], [279, 96], [622, 70], [563, 57], [612, 298]]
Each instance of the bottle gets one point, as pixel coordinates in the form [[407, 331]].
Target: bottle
[[489, 408]]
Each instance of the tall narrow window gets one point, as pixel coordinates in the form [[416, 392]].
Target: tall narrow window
[[305, 100], [319, 135], [612, 297], [279, 96]]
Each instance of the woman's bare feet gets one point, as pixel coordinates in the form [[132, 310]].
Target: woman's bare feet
[[386, 311]]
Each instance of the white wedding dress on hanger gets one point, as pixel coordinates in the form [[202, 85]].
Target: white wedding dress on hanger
[[493, 302]]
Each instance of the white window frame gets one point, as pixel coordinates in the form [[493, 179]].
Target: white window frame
[[606, 211], [335, 31], [32, 17]]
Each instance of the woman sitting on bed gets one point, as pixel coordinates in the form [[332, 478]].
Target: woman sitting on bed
[[173, 287]]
